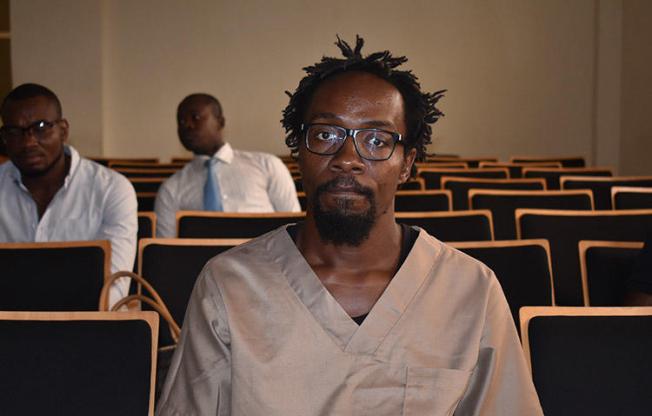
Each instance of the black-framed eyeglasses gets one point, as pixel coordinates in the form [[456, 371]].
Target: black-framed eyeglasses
[[371, 144], [40, 129]]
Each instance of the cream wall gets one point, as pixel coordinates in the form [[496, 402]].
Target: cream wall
[[523, 77], [636, 147]]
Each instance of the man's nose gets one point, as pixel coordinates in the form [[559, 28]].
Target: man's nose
[[347, 159]]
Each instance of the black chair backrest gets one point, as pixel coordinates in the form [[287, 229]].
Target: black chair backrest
[[63, 276], [105, 161], [522, 268], [605, 267], [452, 226], [422, 201], [147, 184], [433, 176], [516, 169], [77, 363], [413, 184], [590, 361], [146, 173], [553, 175], [203, 224], [140, 165], [171, 266], [460, 187], [624, 197], [298, 184], [145, 201], [472, 162], [566, 162], [564, 230], [601, 187], [146, 229], [503, 205]]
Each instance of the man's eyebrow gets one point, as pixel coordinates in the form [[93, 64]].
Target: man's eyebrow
[[370, 123]]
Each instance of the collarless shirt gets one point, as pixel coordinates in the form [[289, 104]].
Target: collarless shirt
[[248, 181], [94, 203]]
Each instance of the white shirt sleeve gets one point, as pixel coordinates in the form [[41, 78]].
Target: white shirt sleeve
[[281, 190], [166, 207]]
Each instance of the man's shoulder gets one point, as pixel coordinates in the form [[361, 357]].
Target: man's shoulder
[[255, 156], [100, 176]]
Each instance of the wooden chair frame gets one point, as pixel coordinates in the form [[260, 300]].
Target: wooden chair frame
[[534, 159], [529, 312], [105, 245], [452, 172], [107, 160], [513, 243], [429, 192], [150, 317], [442, 165], [116, 164], [570, 171], [520, 212], [467, 160], [628, 189], [508, 165], [439, 214], [584, 245], [517, 192], [446, 179]]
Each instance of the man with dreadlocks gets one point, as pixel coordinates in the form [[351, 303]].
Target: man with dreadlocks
[[349, 313]]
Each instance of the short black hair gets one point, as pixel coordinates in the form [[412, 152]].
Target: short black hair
[[420, 108], [30, 90], [207, 98]]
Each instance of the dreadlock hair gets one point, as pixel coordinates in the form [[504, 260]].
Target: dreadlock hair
[[420, 108]]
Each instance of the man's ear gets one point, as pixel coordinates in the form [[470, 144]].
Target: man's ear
[[222, 121], [406, 169], [63, 124]]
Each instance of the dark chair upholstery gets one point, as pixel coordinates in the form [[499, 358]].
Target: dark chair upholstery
[[171, 266], [418, 201], [605, 267], [452, 226], [77, 363], [564, 230], [141, 165], [146, 173], [433, 176], [601, 187], [623, 197], [553, 175], [146, 184], [590, 361], [104, 161], [472, 162], [566, 162], [63, 276], [516, 169], [146, 229], [145, 201], [460, 187], [298, 184], [503, 205], [522, 268], [413, 184], [203, 224]]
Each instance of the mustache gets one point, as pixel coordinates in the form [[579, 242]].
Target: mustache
[[344, 182]]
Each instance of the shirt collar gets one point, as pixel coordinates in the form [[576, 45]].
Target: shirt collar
[[225, 154]]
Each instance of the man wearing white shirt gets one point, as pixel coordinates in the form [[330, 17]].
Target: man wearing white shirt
[[50, 193], [220, 178]]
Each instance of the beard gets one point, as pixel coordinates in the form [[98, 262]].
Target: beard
[[340, 226]]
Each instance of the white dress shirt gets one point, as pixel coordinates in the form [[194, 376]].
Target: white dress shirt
[[94, 203], [248, 181]]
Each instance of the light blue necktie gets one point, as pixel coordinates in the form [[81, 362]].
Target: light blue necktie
[[212, 194]]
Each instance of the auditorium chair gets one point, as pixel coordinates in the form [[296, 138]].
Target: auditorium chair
[[452, 225], [590, 361], [472, 162], [78, 363], [625, 197], [553, 175], [140, 165], [146, 184], [146, 173], [210, 224], [433, 176], [522, 268], [460, 187], [566, 162], [516, 169], [410, 201], [503, 205], [106, 160], [53, 276], [605, 268], [442, 165], [180, 159], [413, 184], [564, 229], [171, 266], [601, 186], [145, 201]]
